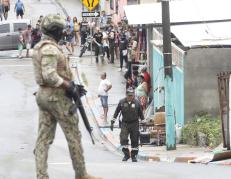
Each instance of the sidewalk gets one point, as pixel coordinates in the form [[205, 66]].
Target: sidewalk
[[89, 73]]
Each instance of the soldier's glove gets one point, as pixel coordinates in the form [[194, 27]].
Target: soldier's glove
[[75, 90], [112, 124], [72, 110]]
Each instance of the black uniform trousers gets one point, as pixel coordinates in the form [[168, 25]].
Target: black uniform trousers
[[123, 58], [112, 52], [97, 53], [131, 129]]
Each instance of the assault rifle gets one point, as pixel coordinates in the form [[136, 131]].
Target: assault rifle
[[78, 104]]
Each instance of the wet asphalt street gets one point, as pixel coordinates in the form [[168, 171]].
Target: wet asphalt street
[[19, 119]]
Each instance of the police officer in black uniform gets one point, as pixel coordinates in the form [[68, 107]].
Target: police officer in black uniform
[[131, 111]]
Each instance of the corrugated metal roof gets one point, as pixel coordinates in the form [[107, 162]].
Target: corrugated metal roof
[[203, 34], [180, 11]]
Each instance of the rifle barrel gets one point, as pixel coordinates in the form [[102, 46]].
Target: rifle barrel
[[84, 117]]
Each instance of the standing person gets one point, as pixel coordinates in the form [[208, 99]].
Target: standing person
[[123, 45], [104, 86], [53, 75], [117, 44], [76, 30], [70, 40], [103, 19], [84, 30], [20, 43], [111, 40], [36, 35], [69, 22], [1, 10], [142, 92], [97, 39], [147, 77], [19, 9], [6, 8], [105, 45], [131, 112], [27, 39], [132, 57]]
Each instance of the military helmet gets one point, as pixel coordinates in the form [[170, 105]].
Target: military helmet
[[130, 91], [52, 22]]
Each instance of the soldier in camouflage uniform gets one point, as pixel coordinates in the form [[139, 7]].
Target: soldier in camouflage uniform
[[131, 111], [53, 75]]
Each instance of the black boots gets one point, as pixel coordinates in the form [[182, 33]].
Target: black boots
[[134, 155], [134, 159], [126, 154], [125, 158]]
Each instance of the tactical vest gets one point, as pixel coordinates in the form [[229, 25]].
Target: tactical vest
[[63, 67]]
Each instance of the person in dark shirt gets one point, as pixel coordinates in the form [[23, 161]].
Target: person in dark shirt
[[84, 30], [111, 40], [97, 39], [123, 45], [36, 35], [131, 111]]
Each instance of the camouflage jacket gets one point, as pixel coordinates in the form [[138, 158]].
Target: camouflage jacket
[[51, 67]]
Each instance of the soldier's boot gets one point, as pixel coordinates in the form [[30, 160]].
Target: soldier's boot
[[134, 155], [88, 177], [126, 154]]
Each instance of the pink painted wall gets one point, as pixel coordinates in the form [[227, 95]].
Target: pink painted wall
[[121, 13]]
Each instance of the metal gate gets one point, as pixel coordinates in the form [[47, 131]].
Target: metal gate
[[223, 89]]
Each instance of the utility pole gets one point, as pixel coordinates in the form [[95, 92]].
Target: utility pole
[[167, 51]]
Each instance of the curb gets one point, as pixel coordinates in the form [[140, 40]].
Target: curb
[[107, 135], [117, 148]]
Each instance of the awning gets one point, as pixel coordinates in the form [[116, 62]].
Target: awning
[[203, 34], [180, 11], [212, 34]]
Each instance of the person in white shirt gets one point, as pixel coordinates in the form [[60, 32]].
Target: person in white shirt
[[104, 86], [105, 45]]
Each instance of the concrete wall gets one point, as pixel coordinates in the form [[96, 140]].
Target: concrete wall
[[200, 69]]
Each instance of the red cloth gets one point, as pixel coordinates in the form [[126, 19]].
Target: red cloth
[[143, 102], [147, 79]]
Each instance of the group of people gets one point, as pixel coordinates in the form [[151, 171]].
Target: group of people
[[120, 41], [111, 43], [5, 8], [55, 84], [71, 34], [29, 37]]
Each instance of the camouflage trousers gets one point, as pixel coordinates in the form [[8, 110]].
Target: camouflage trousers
[[53, 108]]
